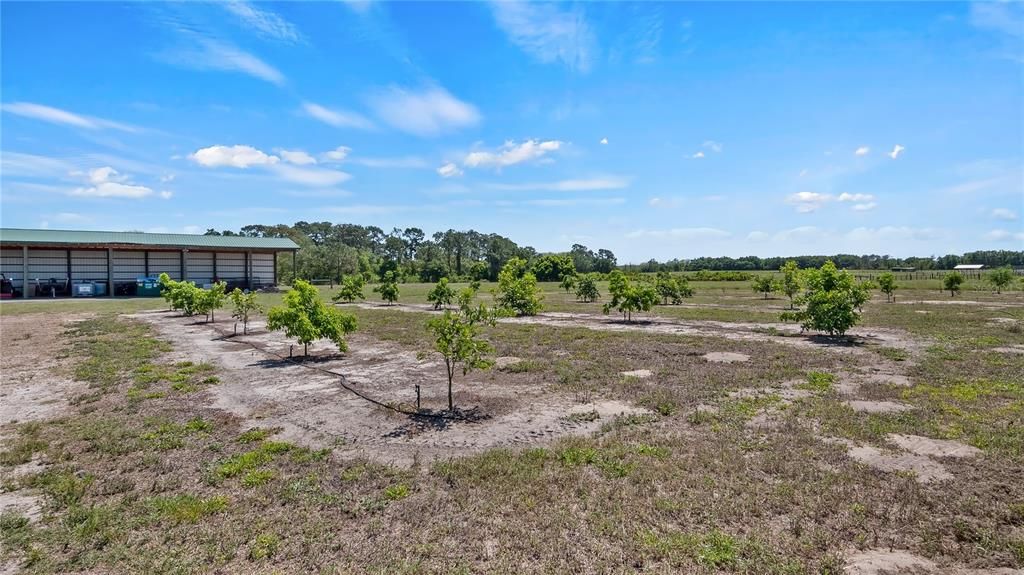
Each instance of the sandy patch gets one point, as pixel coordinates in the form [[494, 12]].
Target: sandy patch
[[32, 386], [18, 503], [932, 447], [638, 373], [1003, 320], [925, 469], [506, 361], [1018, 348], [314, 409], [725, 357], [883, 561], [877, 406]]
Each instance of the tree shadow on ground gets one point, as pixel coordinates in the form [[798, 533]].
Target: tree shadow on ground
[[270, 363], [436, 420]]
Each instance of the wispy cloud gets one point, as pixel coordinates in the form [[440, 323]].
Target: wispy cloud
[[263, 22], [697, 156], [713, 146], [403, 162], [106, 182], [580, 185], [681, 234], [573, 202], [1004, 214], [336, 155], [63, 117], [316, 177], [807, 202], [449, 170], [862, 151], [896, 151], [426, 112], [33, 166], [297, 157], [1004, 236], [244, 157], [337, 118], [893, 233], [845, 197], [511, 153], [321, 193], [548, 32], [200, 52], [604, 141]]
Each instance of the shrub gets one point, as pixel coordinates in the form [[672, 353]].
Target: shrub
[[672, 288], [441, 295], [586, 289], [1000, 278], [351, 289], [244, 304], [568, 282], [388, 288], [790, 284], [629, 297], [765, 285], [831, 301], [953, 282], [517, 291], [887, 283]]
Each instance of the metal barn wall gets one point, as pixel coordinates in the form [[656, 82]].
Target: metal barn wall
[[11, 264], [87, 265], [129, 265], [231, 266], [165, 263], [200, 267], [263, 268], [46, 264]]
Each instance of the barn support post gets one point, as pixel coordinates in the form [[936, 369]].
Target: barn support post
[[68, 251], [145, 258], [275, 268], [248, 270], [110, 272], [295, 268], [184, 265], [24, 272], [215, 277]]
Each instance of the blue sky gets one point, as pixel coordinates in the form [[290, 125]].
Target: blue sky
[[653, 130]]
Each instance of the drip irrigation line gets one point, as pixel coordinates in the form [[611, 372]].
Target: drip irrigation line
[[341, 379]]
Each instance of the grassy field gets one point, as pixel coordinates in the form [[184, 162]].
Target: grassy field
[[755, 466]]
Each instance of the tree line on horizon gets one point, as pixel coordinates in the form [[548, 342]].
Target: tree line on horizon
[[333, 251]]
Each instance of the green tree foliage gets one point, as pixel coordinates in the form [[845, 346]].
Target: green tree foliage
[[208, 301], [790, 280], [1000, 278], [672, 289], [629, 297], [243, 306], [388, 288], [887, 283], [953, 282], [517, 291], [478, 271], [307, 318], [553, 267], [441, 295], [831, 301], [351, 289], [568, 282], [586, 288], [765, 284], [458, 341]]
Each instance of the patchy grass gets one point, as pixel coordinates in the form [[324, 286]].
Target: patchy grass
[[818, 382]]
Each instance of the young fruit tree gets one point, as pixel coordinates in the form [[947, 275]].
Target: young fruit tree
[[307, 318], [209, 300], [586, 289], [441, 295], [629, 297], [245, 305], [182, 296], [953, 282], [765, 285], [1000, 278], [568, 282], [459, 343], [351, 289], [790, 280], [887, 283], [671, 288], [517, 292], [831, 301], [388, 288]]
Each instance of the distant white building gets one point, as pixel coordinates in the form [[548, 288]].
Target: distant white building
[[969, 267]]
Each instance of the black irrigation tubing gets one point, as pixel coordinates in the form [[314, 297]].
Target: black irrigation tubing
[[341, 377]]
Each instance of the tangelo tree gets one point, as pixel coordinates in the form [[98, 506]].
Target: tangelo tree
[[307, 318], [586, 289], [1000, 278], [953, 282], [244, 305], [517, 291], [388, 288], [887, 283], [458, 341], [441, 295], [351, 289], [765, 284], [790, 284], [831, 301]]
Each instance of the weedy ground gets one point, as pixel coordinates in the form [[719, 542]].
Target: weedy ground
[[139, 470]]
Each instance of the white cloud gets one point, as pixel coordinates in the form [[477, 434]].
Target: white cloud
[[845, 197], [682, 234], [166, 194], [337, 118], [297, 157], [572, 202], [1002, 17], [30, 165], [315, 177], [1004, 236], [802, 173], [862, 151], [428, 112], [604, 141], [973, 186], [511, 154], [801, 233], [58, 116], [263, 22], [369, 209], [336, 155], [657, 202], [108, 183], [548, 33], [449, 170], [713, 146], [322, 193], [580, 185], [698, 155], [807, 202], [233, 156], [213, 54], [865, 207], [896, 151], [757, 236], [167, 178], [892, 233], [1004, 214]]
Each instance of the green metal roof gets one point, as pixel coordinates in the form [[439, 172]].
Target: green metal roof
[[22, 237]]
